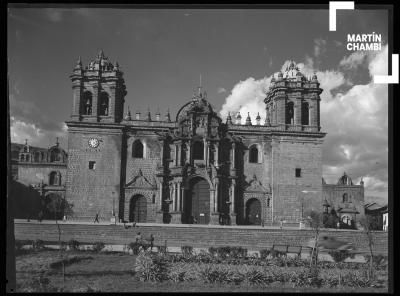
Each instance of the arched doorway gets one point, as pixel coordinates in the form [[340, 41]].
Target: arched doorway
[[253, 212], [197, 203], [138, 209]]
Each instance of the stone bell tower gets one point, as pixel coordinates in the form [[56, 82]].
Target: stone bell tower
[[98, 91]]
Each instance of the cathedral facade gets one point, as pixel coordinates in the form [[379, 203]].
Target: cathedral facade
[[196, 167]]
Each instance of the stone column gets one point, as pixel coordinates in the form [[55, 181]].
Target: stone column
[[233, 155], [310, 115], [160, 213], [232, 209], [179, 197], [297, 112], [112, 101], [95, 99], [174, 197], [188, 153], [205, 150], [182, 198], [216, 158], [176, 155], [216, 197]]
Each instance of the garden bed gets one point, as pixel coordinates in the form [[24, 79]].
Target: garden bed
[[93, 271]]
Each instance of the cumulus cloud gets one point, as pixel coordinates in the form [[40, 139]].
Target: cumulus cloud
[[246, 96], [353, 60], [221, 90], [319, 47], [36, 136], [355, 117]]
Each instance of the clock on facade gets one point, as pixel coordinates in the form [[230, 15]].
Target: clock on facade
[[94, 143]]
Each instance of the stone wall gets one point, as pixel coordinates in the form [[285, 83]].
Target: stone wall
[[32, 173], [251, 238]]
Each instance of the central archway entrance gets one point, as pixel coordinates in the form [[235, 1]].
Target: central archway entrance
[[253, 212], [138, 209], [197, 205]]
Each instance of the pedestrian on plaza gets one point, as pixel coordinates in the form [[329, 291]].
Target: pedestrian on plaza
[[151, 242], [138, 237], [40, 216], [96, 219]]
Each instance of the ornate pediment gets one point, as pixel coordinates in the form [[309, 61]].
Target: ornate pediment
[[140, 181], [256, 185]]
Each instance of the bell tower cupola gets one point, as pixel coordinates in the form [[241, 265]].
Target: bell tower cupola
[[98, 91]]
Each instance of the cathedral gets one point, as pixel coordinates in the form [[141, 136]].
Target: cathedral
[[196, 167]]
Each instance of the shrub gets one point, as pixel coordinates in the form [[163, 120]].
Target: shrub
[[134, 247], [98, 246], [63, 246], [264, 253], [187, 251], [73, 245], [212, 251], [150, 267], [254, 276], [238, 252], [38, 244], [339, 256], [214, 273], [162, 249], [352, 279]]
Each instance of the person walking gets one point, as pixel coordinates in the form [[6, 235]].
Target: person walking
[[138, 238], [151, 242], [96, 219], [40, 216]]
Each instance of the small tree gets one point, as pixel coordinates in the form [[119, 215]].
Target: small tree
[[315, 220], [367, 226]]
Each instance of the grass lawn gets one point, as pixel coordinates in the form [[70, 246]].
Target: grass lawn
[[114, 272]]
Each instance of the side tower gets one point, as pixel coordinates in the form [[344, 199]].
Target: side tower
[[293, 113], [95, 138]]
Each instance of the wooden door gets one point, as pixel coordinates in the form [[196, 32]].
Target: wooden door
[[138, 209], [253, 212], [200, 207]]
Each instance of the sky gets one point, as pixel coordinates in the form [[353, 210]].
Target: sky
[[163, 52]]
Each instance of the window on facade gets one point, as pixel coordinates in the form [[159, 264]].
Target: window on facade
[[346, 219], [55, 155], [198, 150], [345, 197], [103, 104], [289, 113], [37, 157], [87, 103], [27, 157], [268, 202], [253, 154], [298, 172], [304, 113], [55, 178], [22, 157], [137, 149], [92, 165]]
